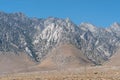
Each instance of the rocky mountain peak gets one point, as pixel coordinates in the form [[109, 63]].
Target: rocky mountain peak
[[37, 37], [87, 26], [115, 26]]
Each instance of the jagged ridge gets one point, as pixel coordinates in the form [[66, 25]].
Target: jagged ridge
[[36, 37]]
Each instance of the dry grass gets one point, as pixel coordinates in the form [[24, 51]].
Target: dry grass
[[95, 73]]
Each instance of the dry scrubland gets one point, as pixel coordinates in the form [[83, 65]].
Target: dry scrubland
[[49, 69], [91, 73]]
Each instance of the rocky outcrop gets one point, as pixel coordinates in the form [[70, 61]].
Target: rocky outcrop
[[37, 37]]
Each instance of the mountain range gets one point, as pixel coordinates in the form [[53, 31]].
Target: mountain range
[[57, 42]]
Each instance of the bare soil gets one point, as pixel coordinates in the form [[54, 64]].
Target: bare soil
[[83, 73]]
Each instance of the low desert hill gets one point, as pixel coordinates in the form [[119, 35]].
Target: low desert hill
[[11, 62], [65, 56]]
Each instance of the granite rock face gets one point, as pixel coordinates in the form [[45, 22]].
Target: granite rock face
[[36, 37]]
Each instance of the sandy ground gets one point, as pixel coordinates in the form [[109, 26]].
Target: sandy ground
[[11, 62], [65, 56], [88, 73], [63, 63]]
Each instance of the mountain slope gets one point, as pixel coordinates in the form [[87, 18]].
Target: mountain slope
[[11, 62], [114, 60], [37, 37], [65, 56]]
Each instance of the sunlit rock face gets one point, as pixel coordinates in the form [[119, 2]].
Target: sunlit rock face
[[37, 37]]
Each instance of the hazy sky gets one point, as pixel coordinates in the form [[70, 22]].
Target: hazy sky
[[98, 12]]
